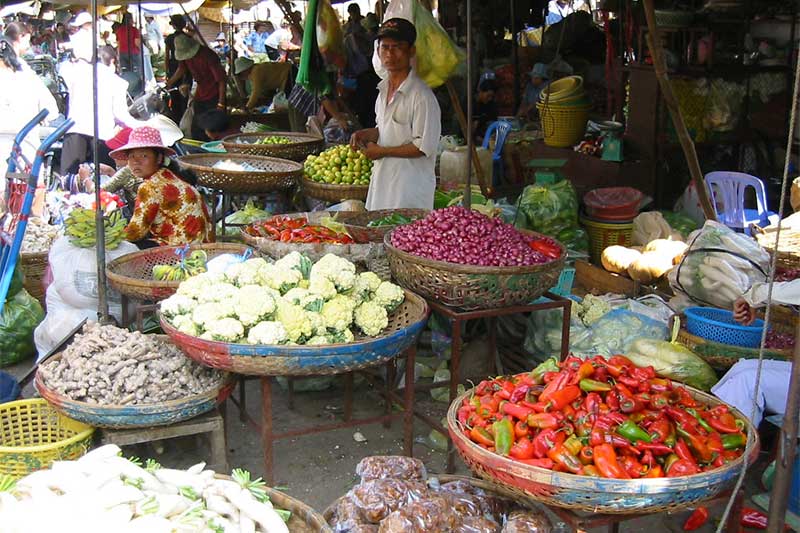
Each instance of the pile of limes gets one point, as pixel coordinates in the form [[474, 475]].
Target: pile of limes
[[339, 165], [274, 139]]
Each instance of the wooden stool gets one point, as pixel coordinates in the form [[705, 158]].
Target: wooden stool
[[211, 423]]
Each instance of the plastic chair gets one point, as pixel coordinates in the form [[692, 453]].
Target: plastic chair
[[728, 188], [502, 129]]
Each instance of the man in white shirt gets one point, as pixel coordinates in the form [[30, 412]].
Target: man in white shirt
[[279, 43], [408, 118], [155, 39]]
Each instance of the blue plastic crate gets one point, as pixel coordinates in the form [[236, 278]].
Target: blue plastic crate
[[565, 282], [9, 387], [719, 326]]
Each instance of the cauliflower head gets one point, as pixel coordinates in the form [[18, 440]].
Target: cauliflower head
[[322, 286], [267, 333], [197, 285], [185, 324], [371, 318], [225, 330], [254, 303], [317, 323], [305, 299], [338, 313], [177, 304], [342, 337], [368, 281], [336, 269], [208, 312], [219, 292], [318, 340], [295, 320], [279, 279], [297, 261], [389, 295], [245, 272]]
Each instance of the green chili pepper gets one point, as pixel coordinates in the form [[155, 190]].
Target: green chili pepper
[[631, 431], [592, 385], [503, 436], [732, 441], [702, 422], [537, 374]]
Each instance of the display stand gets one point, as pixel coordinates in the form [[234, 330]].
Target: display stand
[[457, 317]]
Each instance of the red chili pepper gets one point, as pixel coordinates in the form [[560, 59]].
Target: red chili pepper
[[592, 403], [683, 452], [546, 439], [481, 436], [696, 519], [642, 373], [683, 418], [714, 443], [613, 401], [628, 381], [660, 385], [586, 455], [658, 401], [483, 387], [684, 398], [585, 370], [753, 518], [682, 467], [659, 429], [521, 429], [544, 462], [569, 410], [555, 385], [600, 374], [561, 456], [545, 248], [517, 411], [520, 393], [654, 448], [654, 472], [560, 398], [724, 423], [463, 414], [634, 468], [522, 449], [605, 459], [286, 235], [543, 420], [697, 443]]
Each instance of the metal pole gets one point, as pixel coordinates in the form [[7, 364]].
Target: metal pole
[[468, 129], [515, 55], [141, 45], [102, 301]]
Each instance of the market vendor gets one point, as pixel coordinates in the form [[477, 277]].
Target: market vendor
[[261, 80], [536, 83], [217, 124], [168, 210], [405, 142]]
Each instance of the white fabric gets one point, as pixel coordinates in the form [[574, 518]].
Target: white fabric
[[277, 37], [112, 100], [738, 385], [22, 96], [154, 35], [783, 292], [413, 116]]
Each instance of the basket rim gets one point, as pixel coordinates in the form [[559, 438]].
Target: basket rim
[[642, 486], [86, 433], [311, 184], [458, 268], [691, 312], [305, 138], [694, 339], [187, 161]]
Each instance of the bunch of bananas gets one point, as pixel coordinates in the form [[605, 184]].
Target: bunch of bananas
[[190, 266], [82, 229]]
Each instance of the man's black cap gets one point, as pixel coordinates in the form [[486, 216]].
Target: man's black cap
[[399, 30]]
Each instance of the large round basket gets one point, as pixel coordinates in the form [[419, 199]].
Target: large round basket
[[471, 287], [357, 224], [33, 266], [33, 435], [788, 250], [270, 174], [302, 145], [405, 324], [135, 416], [723, 356], [132, 274], [598, 495], [333, 193]]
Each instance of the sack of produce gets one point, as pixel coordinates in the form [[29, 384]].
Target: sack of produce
[[329, 36], [244, 216], [552, 209], [19, 317], [680, 223], [616, 331], [543, 334], [648, 227], [719, 266]]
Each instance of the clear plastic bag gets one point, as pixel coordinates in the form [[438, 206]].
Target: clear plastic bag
[[378, 498], [391, 466], [551, 208], [19, 317]]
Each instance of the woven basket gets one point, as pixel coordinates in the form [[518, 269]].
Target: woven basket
[[333, 193], [673, 18], [563, 126], [132, 274], [358, 229], [135, 416], [598, 495], [272, 174], [471, 287], [788, 247], [723, 356], [605, 234], [405, 325], [34, 265], [33, 435], [302, 145]]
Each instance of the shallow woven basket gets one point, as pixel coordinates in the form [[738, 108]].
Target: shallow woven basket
[[302, 145], [132, 274], [723, 356], [33, 435], [405, 325], [34, 265], [272, 174], [358, 229], [471, 287], [788, 247], [333, 193], [598, 495]]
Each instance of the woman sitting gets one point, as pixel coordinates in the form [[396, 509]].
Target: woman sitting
[[168, 210]]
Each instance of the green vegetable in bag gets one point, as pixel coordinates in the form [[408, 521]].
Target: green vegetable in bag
[[673, 360], [20, 316], [681, 223], [550, 208]]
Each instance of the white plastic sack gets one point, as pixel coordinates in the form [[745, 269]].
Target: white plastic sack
[[649, 226], [59, 321], [403, 9]]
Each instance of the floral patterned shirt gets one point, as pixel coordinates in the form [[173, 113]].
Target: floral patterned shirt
[[169, 211]]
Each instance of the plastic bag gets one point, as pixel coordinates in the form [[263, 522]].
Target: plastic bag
[[648, 227], [330, 37], [18, 319], [679, 222], [391, 466], [550, 208]]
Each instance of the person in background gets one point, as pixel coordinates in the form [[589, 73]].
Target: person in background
[[239, 46], [216, 124], [220, 46], [61, 34], [558, 10], [129, 43], [208, 74], [256, 41], [280, 43], [168, 211], [536, 84], [155, 39], [180, 97], [406, 140], [261, 80], [370, 24], [353, 23], [19, 35], [485, 111]]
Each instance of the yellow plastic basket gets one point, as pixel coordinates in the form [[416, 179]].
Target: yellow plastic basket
[[605, 234], [33, 435], [565, 126]]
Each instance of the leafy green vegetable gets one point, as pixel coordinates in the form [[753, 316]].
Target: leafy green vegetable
[[7, 483], [255, 486], [19, 317], [395, 219]]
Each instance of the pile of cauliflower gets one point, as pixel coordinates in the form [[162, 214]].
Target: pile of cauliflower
[[290, 301]]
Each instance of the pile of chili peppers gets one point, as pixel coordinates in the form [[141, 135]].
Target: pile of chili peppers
[[601, 417], [296, 230]]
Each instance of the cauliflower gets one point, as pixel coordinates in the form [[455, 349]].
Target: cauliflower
[[389, 295], [177, 304], [208, 312], [254, 303], [336, 269], [318, 340], [365, 285], [184, 324], [371, 318], [297, 261], [267, 333], [305, 299], [219, 292], [338, 313], [295, 319], [322, 286], [342, 337], [279, 279], [317, 323], [245, 272], [199, 284], [225, 330]]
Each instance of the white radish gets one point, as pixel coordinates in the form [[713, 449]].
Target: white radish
[[246, 525], [261, 513], [179, 478], [99, 454], [124, 494], [196, 469], [149, 524], [221, 506]]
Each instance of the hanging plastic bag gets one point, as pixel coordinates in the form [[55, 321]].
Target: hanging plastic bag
[[18, 319], [330, 37], [648, 227], [550, 209]]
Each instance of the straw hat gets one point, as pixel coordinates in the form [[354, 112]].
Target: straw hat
[[142, 137], [185, 47], [241, 64]]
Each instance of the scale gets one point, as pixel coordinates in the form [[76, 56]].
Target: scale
[[547, 171], [611, 134]]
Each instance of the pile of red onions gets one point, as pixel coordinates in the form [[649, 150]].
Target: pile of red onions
[[779, 340], [464, 236]]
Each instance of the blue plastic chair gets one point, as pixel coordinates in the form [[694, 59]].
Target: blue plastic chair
[[729, 188], [501, 128]]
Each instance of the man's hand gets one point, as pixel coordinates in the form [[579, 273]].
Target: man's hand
[[358, 139], [743, 313], [373, 151]]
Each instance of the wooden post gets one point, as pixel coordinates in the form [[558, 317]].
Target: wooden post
[[659, 64], [462, 121]]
